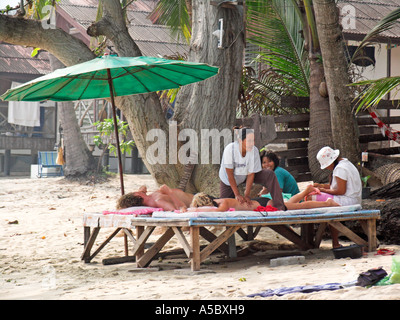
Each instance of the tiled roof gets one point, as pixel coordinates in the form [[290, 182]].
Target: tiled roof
[[17, 59], [367, 14], [152, 39]]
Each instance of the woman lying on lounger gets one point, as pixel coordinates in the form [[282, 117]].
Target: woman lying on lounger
[[208, 203]]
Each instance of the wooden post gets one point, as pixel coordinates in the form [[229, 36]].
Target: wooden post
[[140, 251], [7, 162], [371, 233], [195, 239]]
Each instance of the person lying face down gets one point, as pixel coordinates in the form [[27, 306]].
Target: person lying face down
[[204, 202], [165, 198]]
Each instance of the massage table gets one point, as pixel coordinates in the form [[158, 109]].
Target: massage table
[[232, 221]]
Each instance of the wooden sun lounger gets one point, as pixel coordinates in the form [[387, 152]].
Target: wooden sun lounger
[[224, 242]]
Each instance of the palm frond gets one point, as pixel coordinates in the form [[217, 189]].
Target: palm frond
[[274, 26], [174, 13], [375, 90], [385, 24]]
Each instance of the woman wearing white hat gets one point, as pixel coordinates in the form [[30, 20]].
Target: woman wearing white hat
[[345, 186]]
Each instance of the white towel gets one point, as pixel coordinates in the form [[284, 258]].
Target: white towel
[[24, 113]]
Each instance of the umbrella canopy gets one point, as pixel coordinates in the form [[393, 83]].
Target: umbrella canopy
[[89, 80], [108, 77]]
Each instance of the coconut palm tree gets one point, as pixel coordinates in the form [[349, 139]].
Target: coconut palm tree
[[286, 30], [274, 27]]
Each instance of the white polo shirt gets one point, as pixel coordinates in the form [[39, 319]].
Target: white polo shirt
[[345, 170], [243, 166]]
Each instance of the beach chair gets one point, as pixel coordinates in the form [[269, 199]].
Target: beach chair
[[47, 160]]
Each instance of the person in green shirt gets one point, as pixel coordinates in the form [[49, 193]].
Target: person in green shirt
[[288, 184]]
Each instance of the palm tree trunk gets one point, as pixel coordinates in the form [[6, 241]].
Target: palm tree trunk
[[78, 159], [344, 128], [320, 123]]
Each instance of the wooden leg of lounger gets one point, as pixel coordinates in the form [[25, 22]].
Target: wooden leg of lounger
[[89, 244], [307, 234], [319, 234], [139, 231], [210, 237], [104, 243], [224, 236], [86, 235], [250, 234], [195, 239], [232, 247], [126, 244], [348, 233], [185, 244], [369, 228], [142, 236], [146, 259], [371, 233], [289, 234]]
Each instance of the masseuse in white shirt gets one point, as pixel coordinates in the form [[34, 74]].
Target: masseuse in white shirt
[[241, 164]]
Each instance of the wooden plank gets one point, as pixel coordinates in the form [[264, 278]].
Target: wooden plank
[[129, 234], [146, 259], [118, 260], [320, 232], [104, 243], [369, 121], [242, 234], [210, 237], [371, 234], [386, 151], [302, 144], [287, 118], [195, 241], [217, 242], [86, 252], [142, 237], [292, 236], [372, 138], [295, 102], [307, 234], [348, 233], [293, 153], [86, 235], [286, 135], [289, 219], [182, 240], [232, 253]]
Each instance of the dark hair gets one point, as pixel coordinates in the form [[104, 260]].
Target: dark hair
[[129, 200], [335, 163], [271, 156], [242, 132]]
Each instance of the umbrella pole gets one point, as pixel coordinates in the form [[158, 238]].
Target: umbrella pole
[[121, 176]]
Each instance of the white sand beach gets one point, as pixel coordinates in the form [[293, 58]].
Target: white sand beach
[[41, 242]]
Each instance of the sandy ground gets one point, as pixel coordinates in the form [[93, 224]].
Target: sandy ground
[[41, 241]]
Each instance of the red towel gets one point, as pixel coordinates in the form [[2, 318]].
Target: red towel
[[267, 208]]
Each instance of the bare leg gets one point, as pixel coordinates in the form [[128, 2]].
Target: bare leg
[[300, 196], [311, 204], [335, 237]]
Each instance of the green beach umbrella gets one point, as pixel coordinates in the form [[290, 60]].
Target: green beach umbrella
[[109, 77]]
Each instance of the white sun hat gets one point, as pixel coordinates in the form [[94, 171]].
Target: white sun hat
[[326, 156]]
